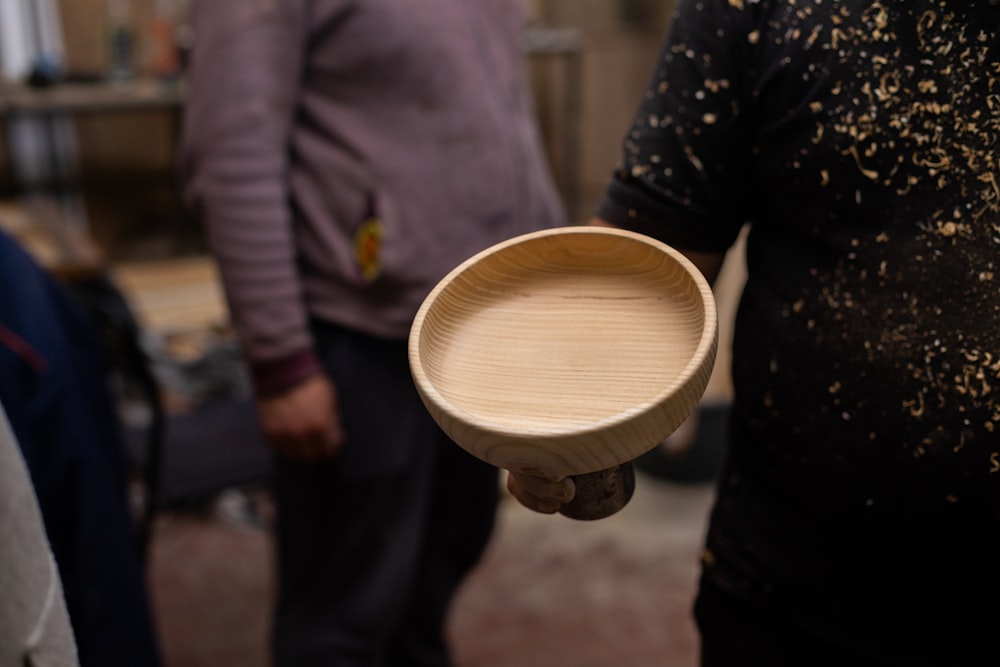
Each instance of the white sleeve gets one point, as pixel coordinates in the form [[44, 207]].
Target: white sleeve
[[34, 624]]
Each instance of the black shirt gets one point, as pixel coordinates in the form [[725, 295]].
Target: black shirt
[[859, 141]]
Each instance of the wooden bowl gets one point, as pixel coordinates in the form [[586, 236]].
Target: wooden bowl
[[565, 351]]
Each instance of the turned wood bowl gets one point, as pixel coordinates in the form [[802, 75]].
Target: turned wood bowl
[[565, 351]]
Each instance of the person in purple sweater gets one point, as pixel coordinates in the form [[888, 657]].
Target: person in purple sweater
[[344, 155]]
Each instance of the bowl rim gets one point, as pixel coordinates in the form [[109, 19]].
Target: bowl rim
[[704, 352]]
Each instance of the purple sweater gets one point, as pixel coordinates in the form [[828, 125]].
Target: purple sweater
[[344, 155]]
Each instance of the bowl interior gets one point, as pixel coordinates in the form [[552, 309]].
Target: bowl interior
[[560, 333]]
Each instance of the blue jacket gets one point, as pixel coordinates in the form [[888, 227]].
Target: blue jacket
[[53, 385]]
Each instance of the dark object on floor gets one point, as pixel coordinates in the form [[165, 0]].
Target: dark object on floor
[[701, 461], [216, 446]]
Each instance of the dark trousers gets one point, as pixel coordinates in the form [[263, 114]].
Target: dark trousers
[[372, 546]]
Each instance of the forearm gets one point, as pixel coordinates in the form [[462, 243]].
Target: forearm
[[709, 263], [240, 107]]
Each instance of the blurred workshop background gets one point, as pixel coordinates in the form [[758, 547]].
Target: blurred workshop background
[[90, 99]]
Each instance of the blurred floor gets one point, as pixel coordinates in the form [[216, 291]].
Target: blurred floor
[[551, 591]]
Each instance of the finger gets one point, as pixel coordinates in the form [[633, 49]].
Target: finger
[[333, 439], [551, 489], [329, 445], [545, 495], [286, 448], [298, 449], [529, 501], [317, 446]]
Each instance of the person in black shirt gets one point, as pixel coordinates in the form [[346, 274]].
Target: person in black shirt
[[857, 519]]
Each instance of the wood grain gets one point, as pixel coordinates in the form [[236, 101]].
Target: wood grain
[[565, 351]]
